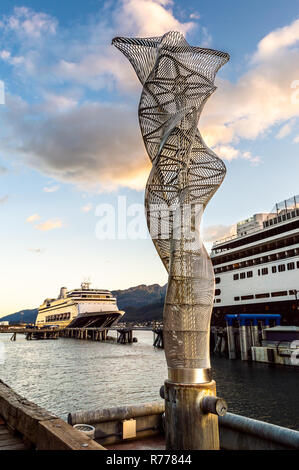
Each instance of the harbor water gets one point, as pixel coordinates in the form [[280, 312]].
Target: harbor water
[[68, 375]]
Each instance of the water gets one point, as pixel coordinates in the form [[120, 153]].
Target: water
[[68, 375]]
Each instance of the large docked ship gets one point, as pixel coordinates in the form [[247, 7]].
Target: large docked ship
[[84, 307], [257, 270]]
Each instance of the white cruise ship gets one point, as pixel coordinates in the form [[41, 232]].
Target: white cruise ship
[[84, 307], [257, 270]]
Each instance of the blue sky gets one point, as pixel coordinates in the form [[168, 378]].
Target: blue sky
[[70, 141]]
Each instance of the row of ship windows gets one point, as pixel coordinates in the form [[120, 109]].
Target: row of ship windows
[[265, 296], [264, 271], [270, 246], [255, 238], [256, 261], [258, 296], [281, 218], [61, 316]]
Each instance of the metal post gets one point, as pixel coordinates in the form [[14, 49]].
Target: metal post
[[243, 341], [231, 340], [255, 333], [191, 416]]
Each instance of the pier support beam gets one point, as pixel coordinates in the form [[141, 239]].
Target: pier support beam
[[255, 335], [243, 342], [231, 342], [190, 422]]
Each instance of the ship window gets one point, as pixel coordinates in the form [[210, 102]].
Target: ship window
[[291, 266], [249, 274], [247, 297], [274, 269], [281, 268], [297, 264], [218, 301], [259, 272], [236, 298], [292, 292], [264, 271], [279, 294], [236, 277], [217, 292], [262, 296], [242, 276], [217, 280]]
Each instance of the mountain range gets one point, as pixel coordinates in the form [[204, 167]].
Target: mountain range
[[141, 303]]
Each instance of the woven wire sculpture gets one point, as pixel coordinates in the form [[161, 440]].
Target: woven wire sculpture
[[177, 80]]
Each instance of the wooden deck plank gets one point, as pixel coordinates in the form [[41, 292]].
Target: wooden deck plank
[[8, 441], [18, 446]]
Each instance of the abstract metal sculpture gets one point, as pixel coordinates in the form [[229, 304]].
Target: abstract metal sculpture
[[177, 80]]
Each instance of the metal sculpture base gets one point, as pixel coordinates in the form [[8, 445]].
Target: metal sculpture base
[[187, 426], [189, 376]]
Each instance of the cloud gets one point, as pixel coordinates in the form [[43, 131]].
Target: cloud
[[296, 140], [248, 156], [49, 225], [93, 145], [261, 98], [3, 170], [100, 65], [50, 189], [217, 232], [285, 130], [98, 145], [227, 152], [276, 41], [26, 22], [33, 218], [36, 250], [86, 208], [3, 199], [148, 18], [13, 60]]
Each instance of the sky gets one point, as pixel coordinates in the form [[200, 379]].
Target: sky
[[70, 143]]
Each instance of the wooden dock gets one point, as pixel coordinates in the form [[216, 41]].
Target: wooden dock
[[25, 425], [124, 334], [9, 441]]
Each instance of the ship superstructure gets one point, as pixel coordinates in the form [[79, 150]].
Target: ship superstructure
[[83, 307], [257, 270]]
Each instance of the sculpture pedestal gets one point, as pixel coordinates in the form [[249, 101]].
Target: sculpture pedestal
[[187, 426]]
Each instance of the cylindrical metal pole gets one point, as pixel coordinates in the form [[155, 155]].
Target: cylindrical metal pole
[[255, 335], [231, 341], [243, 342], [189, 421]]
